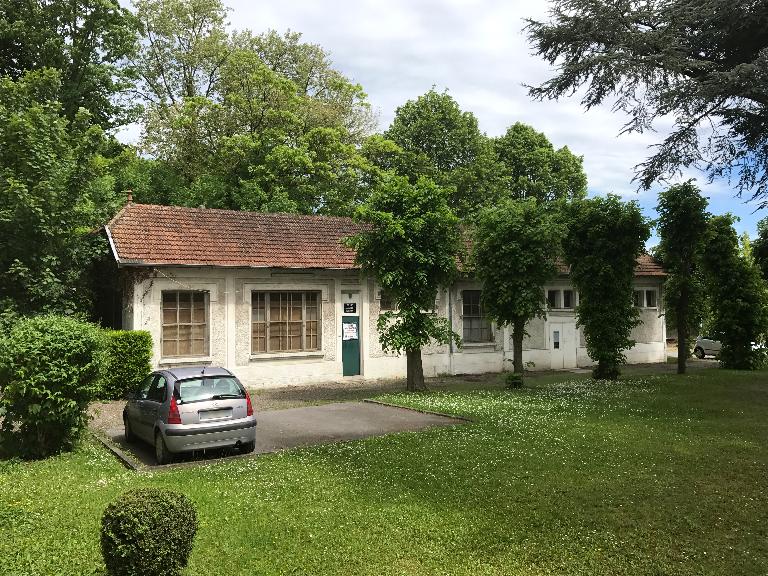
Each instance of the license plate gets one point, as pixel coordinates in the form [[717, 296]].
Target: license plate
[[217, 414]]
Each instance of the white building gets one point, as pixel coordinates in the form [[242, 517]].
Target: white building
[[277, 299]]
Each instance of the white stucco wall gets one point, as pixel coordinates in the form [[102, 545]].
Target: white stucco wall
[[229, 326]]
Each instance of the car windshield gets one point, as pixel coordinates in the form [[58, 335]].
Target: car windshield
[[208, 388]]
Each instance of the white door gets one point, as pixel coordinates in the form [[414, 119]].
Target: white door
[[562, 345]]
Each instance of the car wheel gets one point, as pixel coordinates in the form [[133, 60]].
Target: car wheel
[[129, 435], [162, 455], [247, 447], [698, 352]]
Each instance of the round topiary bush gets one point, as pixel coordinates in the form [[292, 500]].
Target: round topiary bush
[[148, 532]]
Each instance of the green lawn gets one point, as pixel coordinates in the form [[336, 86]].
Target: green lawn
[[659, 475]]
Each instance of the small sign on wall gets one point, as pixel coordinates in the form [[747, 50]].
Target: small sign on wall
[[349, 331], [350, 307]]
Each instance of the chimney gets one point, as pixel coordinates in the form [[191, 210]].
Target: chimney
[[130, 195]]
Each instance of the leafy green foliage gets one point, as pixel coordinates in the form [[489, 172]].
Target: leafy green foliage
[[515, 247], [49, 371], [410, 244], [127, 361], [442, 142], [247, 122], [605, 237], [148, 532], [704, 63], [760, 247], [737, 295], [54, 192], [87, 41], [534, 169], [682, 226], [329, 98]]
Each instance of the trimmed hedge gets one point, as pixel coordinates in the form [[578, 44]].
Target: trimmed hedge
[[128, 361], [148, 532], [49, 372]]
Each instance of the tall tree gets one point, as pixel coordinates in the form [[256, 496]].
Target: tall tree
[[410, 243], [332, 100], [760, 247], [737, 295], [444, 143], [605, 237], [704, 63], [515, 248], [244, 121], [534, 169], [54, 191], [88, 41], [682, 226], [187, 50], [186, 45]]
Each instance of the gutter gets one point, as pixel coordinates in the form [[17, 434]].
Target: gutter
[[144, 264]]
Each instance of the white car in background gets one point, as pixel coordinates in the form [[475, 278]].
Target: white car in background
[[706, 346]]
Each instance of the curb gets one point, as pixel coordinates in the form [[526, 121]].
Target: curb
[[419, 410], [119, 454]]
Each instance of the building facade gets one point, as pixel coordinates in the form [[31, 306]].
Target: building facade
[[278, 300]]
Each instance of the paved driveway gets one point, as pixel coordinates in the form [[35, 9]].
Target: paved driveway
[[282, 429]]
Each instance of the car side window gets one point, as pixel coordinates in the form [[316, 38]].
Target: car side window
[[141, 394], [157, 391]]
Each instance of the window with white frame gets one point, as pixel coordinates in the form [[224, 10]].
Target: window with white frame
[[561, 299], [476, 327], [185, 324], [285, 322], [645, 298]]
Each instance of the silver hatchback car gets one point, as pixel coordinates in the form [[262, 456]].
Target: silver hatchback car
[[191, 408]]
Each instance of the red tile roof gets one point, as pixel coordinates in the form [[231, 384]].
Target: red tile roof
[[150, 235], [646, 266]]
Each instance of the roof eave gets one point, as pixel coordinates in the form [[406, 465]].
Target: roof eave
[[144, 264], [112, 247]]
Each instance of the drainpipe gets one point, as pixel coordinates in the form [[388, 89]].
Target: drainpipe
[[450, 324], [504, 343]]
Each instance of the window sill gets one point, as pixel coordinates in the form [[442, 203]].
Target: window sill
[[287, 355], [186, 360], [478, 346]]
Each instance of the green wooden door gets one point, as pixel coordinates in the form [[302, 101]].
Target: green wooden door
[[350, 345]]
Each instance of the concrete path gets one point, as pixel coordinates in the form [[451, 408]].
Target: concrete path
[[282, 429]]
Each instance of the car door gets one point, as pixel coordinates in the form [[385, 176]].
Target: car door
[[136, 405], [152, 406], [711, 346]]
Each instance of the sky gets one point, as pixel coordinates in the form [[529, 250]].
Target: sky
[[477, 50]]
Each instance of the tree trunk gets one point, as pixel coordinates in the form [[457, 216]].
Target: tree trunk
[[415, 371], [682, 328], [518, 333]]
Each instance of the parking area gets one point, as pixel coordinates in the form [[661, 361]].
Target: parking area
[[307, 426]]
